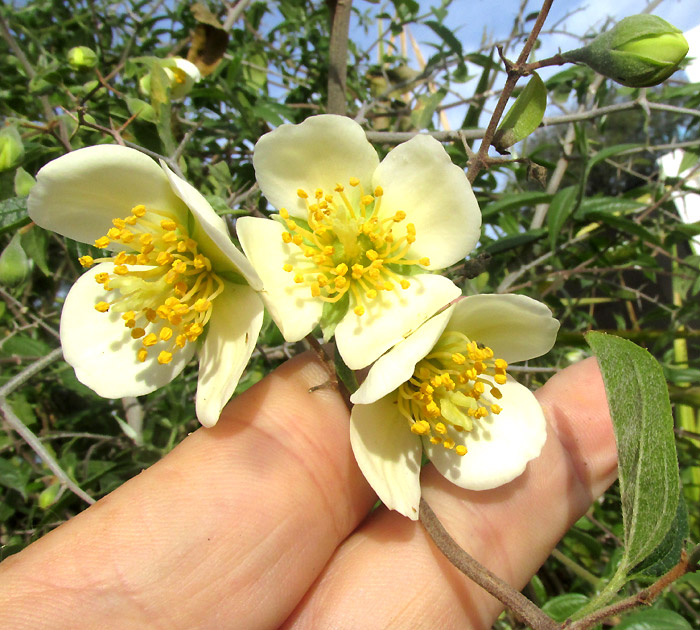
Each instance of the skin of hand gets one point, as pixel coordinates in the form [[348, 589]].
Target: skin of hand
[[261, 522]]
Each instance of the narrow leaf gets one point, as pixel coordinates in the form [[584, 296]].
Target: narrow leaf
[[524, 116], [559, 211], [643, 425], [654, 619]]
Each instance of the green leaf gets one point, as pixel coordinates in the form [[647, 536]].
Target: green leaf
[[624, 225], [668, 553], [35, 242], [516, 200], [13, 214], [48, 496], [24, 182], [141, 109], [524, 116], [14, 475], [559, 211], [643, 425], [654, 619], [344, 373], [446, 35], [423, 114], [561, 607], [517, 240]]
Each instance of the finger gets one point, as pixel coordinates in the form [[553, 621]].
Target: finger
[[389, 574], [227, 531]]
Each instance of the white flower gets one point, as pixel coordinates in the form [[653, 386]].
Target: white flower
[[174, 284], [355, 238], [181, 74], [444, 391]]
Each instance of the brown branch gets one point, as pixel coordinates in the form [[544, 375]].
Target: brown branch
[[645, 597], [338, 55], [491, 583], [515, 71]]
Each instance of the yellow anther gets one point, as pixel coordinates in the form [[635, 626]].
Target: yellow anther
[[449, 443], [142, 354], [138, 211], [127, 236], [405, 284], [371, 255], [202, 305], [318, 193], [119, 223], [421, 427], [354, 181], [500, 379], [298, 278], [169, 237], [179, 266], [165, 333], [86, 261], [340, 282], [315, 289], [500, 364], [297, 239], [291, 224], [286, 237], [131, 220], [287, 267], [399, 216], [121, 270], [137, 333], [168, 224], [102, 242], [425, 261], [458, 358], [432, 409], [164, 258], [165, 357], [339, 188], [366, 200], [441, 428], [359, 310], [150, 315], [496, 409], [102, 307], [341, 269], [435, 440], [357, 271], [371, 294], [114, 233], [180, 288], [120, 258], [150, 340], [378, 191], [129, 315], [180, 341], [461, 450]]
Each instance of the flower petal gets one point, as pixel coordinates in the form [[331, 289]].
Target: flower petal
[[499, 447], [395, 367], [319, 153], [515, 327], [211, 232], [390, 317], [232, 333], [291, 306], [79, 194], [100, 347], [419, 178], [388, 454]]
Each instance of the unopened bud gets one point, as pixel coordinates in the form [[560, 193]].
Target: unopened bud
[[14, 263], [11, 148], [639, 51], [181, 74], [82, 57]]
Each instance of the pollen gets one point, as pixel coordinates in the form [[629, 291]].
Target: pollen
[[349, 236], [167, 305], [452, 390]]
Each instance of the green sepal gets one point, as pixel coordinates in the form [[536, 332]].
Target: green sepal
[[333, 313]]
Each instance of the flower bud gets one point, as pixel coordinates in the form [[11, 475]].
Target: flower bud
[[11, 148], [14, 263], [82, 57], [182, 75], [639, 51]]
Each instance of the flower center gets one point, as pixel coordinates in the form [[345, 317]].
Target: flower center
[[446, 389], [348, 248], [167, 305]]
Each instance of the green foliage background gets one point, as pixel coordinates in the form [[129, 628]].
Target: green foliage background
[[610, 253]]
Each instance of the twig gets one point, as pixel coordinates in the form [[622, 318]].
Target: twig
[[338, 55], [26, 434], [645, 596], [491, 583], [515, 71], [234, 13]]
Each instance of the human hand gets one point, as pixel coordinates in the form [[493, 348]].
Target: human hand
[[260, 522]]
